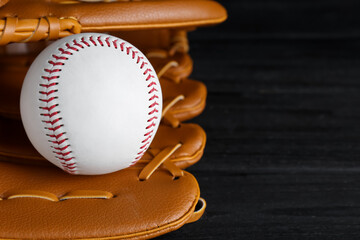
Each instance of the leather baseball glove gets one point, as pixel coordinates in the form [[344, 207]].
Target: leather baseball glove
[[153, 197]]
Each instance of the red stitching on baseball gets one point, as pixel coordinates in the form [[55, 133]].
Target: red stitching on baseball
[[49, 85], [48, 93], [153, 97], [151, 84], [134, 53], [143, 146], [70, 47], [63, 154], [66, 159], [59, 58], [55, 128], [153, 111], [92, 40], [128, 50], [115, 45], [149, 77], [56, 63], [58, 138], [142, 65], [153, 90], [49, 108], [52, 70], [151, 125], [141, 152], [49, 115], [70, 165], [146, 134], [153, 105], [147, 70], [83, 41], [59, 142], [52, 122], [99, 40], [107, 41], [49, 78], [64, 51], [146, 139], [61, 149], [122, 46], [138, 60], [48, 100], [77, 44], [153, 118]]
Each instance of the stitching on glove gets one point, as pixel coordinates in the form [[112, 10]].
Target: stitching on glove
[[166, 67], [173, 121], [76, 194], [179, 42], [51, 113], [162, 158]]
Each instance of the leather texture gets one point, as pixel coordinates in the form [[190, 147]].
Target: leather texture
[[31, 25], [3, 2], [35, 205], [194, 101]]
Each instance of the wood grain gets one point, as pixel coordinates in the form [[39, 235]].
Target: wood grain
[[283, 122]]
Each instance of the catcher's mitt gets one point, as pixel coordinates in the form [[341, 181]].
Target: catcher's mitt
[[151, 198]]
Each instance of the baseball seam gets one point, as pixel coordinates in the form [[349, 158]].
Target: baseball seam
[[51, 111]]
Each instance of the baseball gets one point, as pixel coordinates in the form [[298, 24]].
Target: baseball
[[91, 104]]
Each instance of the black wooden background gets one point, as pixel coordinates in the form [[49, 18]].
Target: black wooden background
[[283, 121]]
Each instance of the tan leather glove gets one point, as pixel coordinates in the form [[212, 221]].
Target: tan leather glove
[[155, 196]]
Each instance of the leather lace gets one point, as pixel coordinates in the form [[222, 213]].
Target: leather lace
[[13, 29], [164, 157], [167, 117]]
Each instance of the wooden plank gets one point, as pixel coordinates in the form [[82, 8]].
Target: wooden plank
[[283, 122]]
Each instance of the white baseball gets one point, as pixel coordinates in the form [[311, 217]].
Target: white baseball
[[91, 103]]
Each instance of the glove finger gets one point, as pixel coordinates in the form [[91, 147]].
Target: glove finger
[[193, 103]]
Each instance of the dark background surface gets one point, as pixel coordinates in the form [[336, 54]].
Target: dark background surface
[[283, 121]]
